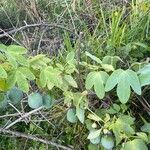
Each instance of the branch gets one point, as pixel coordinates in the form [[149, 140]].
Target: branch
[[32, 137], [24, 116], [29, 113], [34, 25]]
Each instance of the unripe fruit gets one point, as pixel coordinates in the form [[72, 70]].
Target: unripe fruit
[[47, 101], [71, 115], [35, 100], [107, 142], [15, 95]]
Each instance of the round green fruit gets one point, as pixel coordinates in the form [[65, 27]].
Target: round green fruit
[[15, 95], [71, 115], [47, 101], [35, 100], [107, 141]]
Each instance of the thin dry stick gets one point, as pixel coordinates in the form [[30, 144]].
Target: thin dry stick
[[24, 116], [29, 113], [6, 34], [33, 25], [10, 115], [32, 137]]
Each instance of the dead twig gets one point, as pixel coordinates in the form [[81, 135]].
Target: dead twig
[[33, 137], [34, 25], [23, 116], [30, 113]]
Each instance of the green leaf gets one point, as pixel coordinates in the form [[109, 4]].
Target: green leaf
[[123, 127], [146, 127], [90, 80], [93, 57], [113, 80], [22, 60], [125, 79], [134, 81], [123, 89], [111, 60], [3, 73], [16, 49], [107, 67], [99, 88], [50, 85], [144, 75], [94, 117], [22, 82], [80, 114], [3, 47], [94, 133], [38, 62], [35, 100], [95, 140], [12, 60], [54, 76], [11, 80], [97, 79], [93, 147], [71, 115], [136, 144], [71, 81], [142, 136], [70, 57], [43, 78], [145, 69], [27, 73], [144, 79]]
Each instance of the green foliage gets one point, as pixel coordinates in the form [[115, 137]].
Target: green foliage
[[136, 144], [97, 79], [112, 58], [125, 80]]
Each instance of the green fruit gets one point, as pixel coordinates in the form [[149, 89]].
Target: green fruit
[[35, 100], [71, 115], [95, 140], [47, 101], [107, 141], [15, 95]]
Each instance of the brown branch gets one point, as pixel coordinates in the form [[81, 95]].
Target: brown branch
[[33, 137]]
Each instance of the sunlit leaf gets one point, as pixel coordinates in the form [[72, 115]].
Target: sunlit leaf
[[136, 144]]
